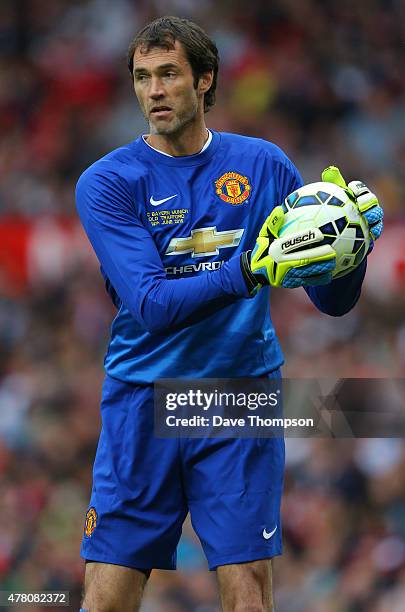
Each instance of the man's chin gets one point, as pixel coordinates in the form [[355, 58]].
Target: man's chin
[[157, 127], [161, 130], [175, 125]]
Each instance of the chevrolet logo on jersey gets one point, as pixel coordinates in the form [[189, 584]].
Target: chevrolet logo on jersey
[[204, 241]]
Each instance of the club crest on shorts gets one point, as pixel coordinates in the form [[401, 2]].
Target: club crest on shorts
[[233, 188], [91, 522]]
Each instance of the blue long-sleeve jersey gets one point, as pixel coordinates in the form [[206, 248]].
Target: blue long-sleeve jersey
[[168, 232]]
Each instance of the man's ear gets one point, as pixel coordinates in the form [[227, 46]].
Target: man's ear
[[205, 81]]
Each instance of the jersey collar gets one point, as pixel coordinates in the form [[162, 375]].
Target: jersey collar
[[185, 160]]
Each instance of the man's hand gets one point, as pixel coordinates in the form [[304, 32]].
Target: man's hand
[[366, 201], [274, 263], [277, 263]]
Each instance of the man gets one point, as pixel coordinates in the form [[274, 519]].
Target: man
[[173, 218]]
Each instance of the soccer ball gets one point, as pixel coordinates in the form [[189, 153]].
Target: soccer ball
[[328, 207]]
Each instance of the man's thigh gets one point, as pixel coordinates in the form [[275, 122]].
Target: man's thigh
[[137, 504], [112, 587], [246, 586], [234, 490]]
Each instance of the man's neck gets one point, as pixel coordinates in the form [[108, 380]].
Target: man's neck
[[189, 142]]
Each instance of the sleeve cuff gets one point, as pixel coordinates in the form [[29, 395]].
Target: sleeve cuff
[[249, 277], [233, 279]]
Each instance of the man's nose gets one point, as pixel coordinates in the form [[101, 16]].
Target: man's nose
[[156, 89]]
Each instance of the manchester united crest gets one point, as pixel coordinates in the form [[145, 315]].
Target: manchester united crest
[[233, 188], [91, 522]]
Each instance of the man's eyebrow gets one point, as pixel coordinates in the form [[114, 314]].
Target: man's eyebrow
[[161, 67]]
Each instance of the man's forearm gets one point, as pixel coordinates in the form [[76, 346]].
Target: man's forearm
[[339, 296], [173, 303]]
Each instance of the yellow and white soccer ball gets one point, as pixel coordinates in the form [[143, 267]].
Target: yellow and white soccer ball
[[329, 208]]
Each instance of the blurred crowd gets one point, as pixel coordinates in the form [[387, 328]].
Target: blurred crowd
[[324, 81]]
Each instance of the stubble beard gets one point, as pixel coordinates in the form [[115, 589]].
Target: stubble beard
[[177, 125]]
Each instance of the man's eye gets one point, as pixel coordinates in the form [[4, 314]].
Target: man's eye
[[141, 77], [170, 74]]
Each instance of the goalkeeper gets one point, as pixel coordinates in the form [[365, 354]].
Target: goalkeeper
[[173, 218]]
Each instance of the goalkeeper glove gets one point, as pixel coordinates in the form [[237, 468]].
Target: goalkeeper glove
[[366, 201], [287, 262]]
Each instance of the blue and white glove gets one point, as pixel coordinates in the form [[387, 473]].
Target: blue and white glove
[[269, 264], [366, 201]]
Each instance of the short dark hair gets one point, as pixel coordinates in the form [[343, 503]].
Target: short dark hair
[[200, 50]]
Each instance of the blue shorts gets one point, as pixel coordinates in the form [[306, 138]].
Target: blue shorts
[[143, 488]]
